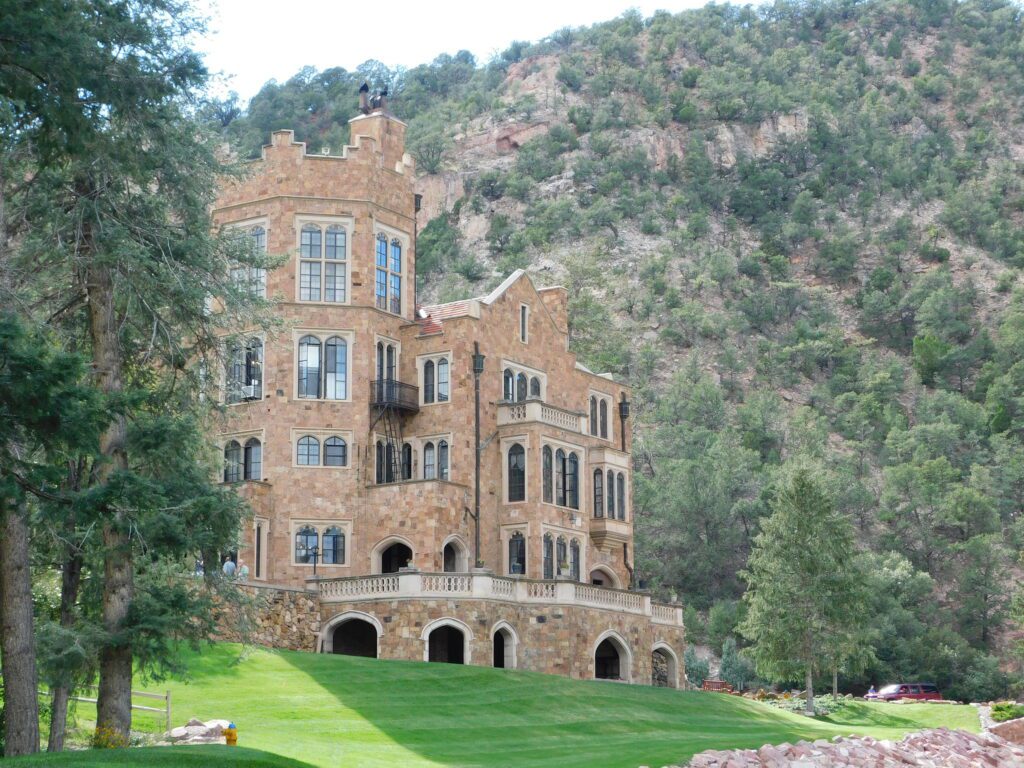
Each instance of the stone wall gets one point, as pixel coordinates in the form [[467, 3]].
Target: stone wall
[[552, 639], [278, 617]]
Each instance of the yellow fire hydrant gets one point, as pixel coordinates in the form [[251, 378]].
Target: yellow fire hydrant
[[231, 735]]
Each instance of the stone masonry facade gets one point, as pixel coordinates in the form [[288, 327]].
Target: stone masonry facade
[[350, 428]]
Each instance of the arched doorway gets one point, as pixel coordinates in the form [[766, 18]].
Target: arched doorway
[[447, 644], [395, 557], [612, 660], [664, 667], [601, 576], [504, 642], [451, 558], [355, 637]]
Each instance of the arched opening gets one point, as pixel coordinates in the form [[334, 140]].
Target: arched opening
[[450, 559], [355, 637], [612, 660], [447, 644], [504, 645], [454, 556], [601, 576], [395, 557], [664, 667]]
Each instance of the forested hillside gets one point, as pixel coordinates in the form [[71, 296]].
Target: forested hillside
[[797, 231]]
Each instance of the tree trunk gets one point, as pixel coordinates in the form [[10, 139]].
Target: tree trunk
[[70, 579], [113, 706], [17, 642], [835, 681], [809, 693]]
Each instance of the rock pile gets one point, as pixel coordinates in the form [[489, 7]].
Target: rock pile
[[195, 731], [939, 748]]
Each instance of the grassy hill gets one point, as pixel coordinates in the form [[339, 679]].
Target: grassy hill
[[197, 756], [337, 710]]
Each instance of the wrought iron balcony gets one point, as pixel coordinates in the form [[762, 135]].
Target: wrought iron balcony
[[394, 393]]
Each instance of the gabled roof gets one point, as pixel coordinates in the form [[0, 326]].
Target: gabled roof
[[431, 316]]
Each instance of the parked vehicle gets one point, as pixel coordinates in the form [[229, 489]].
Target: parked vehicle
[[923, 691]]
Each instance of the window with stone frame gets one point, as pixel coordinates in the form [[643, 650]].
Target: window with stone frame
[[244, 376], [306, 541], [388, 274], [517, 554], [566, 476], [243, 462], [247, 277], [333, 550], [323, 263], [598, 493], [549, 556], [436, 380], [516, 473], [323, 368], [519, 383]]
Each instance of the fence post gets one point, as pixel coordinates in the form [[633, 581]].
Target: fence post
[[168, 712]]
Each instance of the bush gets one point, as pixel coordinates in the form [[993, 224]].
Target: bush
[[1007, 710], [934, 253]]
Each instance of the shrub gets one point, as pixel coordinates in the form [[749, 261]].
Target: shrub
[[934, 253], [569, 76], [1007, 710], [696, 668]]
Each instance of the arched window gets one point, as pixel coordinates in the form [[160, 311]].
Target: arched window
[[509, 386], [380, 360], [429, 462], [396, 255], [309, 366], [232, 462], [593, 415], [549, 556], [428, 381], [336, 368], [442, 459], [560, 477], [306, 539], [517, 473], [521, 387], [333, 552], [407, 462], [604, 419], [335, 452], [334, 267], [611, 495], [621, 481], [598, 493], [442, 380], [563, 556], [517, 554], [253, 462], [574, 559], [310, 244], [534, 387], [308, 452], [572, 482], [546, 475]]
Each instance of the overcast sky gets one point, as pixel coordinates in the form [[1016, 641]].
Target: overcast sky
[[253, 42]]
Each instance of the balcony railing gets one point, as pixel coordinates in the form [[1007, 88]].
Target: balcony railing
[[391, 392], [413, 585], [537, 410]]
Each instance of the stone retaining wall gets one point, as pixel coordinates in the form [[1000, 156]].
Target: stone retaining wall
[[279, 617]]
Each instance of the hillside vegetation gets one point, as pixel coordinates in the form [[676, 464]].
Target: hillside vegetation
[[796, 230]]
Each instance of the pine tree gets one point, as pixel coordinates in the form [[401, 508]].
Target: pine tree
[[805, 594]]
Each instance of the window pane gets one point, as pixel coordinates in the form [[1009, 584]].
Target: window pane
[[604, 418], [232, 462], [522, 323], [334, 283], [509, 385], [396, 294], [593, 415], [308, 452], [520, 387], [517, 554], [253, 462], [549, 557], [382, 251], [335, 242], [336, 368], [381, 289], [309, 367], [442, 380], [534, 387], [563, 556], [547, 479], [442, 459], [306, 539], [574, 560], [309, 281], [396, 256], [235, 375], [429, 468], [254, 367], [611, 495], [428, 381], [334, 546], [259, 239], [407, 462], [335, 452], [598, 493], [572, 482], [516, 473], [560, 477], [622, 496], [309, 242]]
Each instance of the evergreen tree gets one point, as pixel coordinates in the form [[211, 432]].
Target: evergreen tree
[[805, 595]]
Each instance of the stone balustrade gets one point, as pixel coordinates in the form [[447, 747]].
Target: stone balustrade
[[413, 585], [539, 411]]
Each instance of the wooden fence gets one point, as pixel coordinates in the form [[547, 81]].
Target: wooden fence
[[164, 697]]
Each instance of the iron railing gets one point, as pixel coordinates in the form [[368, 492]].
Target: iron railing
[[391, 392]]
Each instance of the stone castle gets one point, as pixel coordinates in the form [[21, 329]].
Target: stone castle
[[438, 482]]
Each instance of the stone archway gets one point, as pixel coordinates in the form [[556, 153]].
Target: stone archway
[[603, 576], [664, 666], [447, 640], [352, 633], [504, 642], [454, 556], [612, 658], [391, 555]]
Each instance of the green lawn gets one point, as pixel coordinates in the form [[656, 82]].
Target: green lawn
[[172, 757], [344, 711]]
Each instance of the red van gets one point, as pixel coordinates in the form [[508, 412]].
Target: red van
[[896, 691]]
